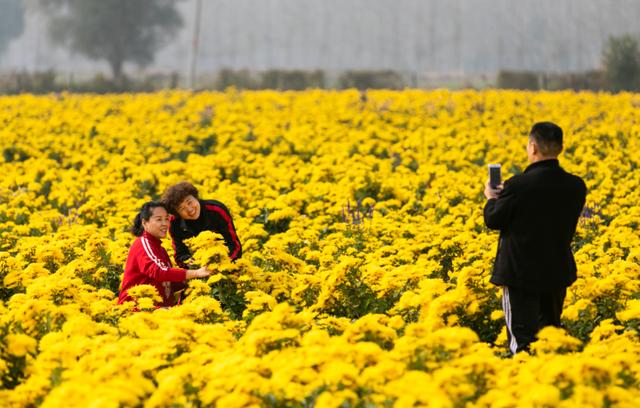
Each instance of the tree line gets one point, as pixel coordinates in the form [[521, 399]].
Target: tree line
[[121, 31]]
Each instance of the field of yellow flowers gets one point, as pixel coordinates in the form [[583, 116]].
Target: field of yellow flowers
[[364, 279]]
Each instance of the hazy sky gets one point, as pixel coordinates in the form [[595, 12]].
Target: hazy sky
[[470, 36]]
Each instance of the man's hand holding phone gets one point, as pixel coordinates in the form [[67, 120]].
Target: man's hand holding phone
[[494, 185]]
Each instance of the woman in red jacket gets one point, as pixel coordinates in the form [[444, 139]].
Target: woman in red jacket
[[148, 262]]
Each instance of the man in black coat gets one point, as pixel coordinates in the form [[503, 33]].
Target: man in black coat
[[537, 213]]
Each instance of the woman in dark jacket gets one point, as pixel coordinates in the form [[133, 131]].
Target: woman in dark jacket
[[192, 215]]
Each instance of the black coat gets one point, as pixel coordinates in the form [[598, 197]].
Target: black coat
[[537, 213], [214, 216]]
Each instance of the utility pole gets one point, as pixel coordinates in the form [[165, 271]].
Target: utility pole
[[457, 37], [194, 44], [433, 44]]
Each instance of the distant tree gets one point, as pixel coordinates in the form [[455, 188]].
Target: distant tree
[[11, 22], [621, 60], [117, 31]]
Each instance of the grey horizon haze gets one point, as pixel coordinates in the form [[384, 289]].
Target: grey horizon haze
[[439, 36]]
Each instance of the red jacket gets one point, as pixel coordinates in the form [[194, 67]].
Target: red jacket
[[148, 263]]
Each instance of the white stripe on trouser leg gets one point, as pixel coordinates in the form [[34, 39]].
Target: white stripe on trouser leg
[[506, 307]]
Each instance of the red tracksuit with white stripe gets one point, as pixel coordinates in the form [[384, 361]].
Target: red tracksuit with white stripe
[[214, 216], [149, 264]]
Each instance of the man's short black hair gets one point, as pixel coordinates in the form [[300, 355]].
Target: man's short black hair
[[548, 137]]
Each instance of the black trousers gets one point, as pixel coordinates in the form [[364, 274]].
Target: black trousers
[[527, 312]]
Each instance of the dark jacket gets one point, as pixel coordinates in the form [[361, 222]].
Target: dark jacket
[[537, 213], [214, 216]]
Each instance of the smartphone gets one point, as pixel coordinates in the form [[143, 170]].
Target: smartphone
[[494, 175]]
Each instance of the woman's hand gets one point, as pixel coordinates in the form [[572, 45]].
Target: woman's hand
[[198, 273]]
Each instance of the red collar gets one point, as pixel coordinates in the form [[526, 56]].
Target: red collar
[[151, 238]]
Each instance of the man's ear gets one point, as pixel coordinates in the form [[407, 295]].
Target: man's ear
[[534, 148]]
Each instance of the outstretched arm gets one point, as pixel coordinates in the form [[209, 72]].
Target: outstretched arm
[[226, 228], [149, 263]]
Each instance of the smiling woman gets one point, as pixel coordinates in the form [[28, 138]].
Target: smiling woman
[[148, 262], [192, 216]]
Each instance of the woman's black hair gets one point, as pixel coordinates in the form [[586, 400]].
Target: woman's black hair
[[145, 214]]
